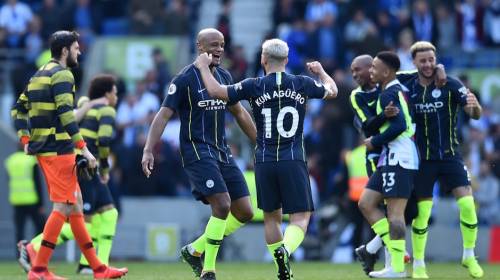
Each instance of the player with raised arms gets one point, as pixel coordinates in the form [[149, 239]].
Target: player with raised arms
[[278, 102]]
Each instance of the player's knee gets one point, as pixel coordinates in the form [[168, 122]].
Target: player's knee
[[246, 216], [397, 228], [221, 208], [364, 206]]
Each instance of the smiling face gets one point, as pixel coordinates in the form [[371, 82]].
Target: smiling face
[[360, 70], [378, 71], [211, 42], [425, 62]]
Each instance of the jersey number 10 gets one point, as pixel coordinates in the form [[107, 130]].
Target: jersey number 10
[[279, 121]]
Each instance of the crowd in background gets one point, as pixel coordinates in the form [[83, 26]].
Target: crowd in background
[[333, 32]]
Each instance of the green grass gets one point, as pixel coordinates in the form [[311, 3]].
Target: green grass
[[248, 271]]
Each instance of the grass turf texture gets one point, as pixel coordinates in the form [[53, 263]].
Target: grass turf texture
[[247, 271]]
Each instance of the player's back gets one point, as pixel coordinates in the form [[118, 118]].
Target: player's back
[[97, 127], [279, 105]]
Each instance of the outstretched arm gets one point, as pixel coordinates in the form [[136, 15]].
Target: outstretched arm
[[156, 130], [84, 105], [214, 89], [244, 121]]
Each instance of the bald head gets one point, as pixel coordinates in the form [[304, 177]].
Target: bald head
[[364, 60], [211, 41], [208, 33], [360, 70]]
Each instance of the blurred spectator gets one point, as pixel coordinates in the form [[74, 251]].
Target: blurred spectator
[[470, 24], [358, 28], [224, 25], [422, 22], [51, 16], [136, 113], [33, 41], [446, 28], [320, 16], [15, 17], [298, 43], [487, 194], [285, 11], [403, 50], [147, 17], [239, 64], [492, 23], [397, 9], [387, 28], [177, 18], [163, 75]]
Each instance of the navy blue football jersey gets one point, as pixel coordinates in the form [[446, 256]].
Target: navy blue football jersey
[[435, 114], [202, 118], [278, 102]]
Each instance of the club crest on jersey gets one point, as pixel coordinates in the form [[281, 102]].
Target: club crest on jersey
[[172, 89], [210, 183], [436, 93]]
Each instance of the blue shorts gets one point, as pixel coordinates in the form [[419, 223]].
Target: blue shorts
[[209, 177], [94, 194], [451, 174], [392, 181], [283, 184]]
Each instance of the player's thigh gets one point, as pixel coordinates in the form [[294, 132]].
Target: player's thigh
[[103, 196], [294, 186], [61, 178], [454, 177], [89, 194], [266, 181], [235, 182], [425, 178], [397, 182], [205, 178]]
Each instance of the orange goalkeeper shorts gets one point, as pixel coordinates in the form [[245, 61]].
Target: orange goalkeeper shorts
[[60, 175]]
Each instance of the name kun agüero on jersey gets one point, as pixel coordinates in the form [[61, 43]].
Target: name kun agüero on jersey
[[288, 93]]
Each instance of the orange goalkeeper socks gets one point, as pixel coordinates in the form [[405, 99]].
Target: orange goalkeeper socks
[[50, 233], [82, 237]]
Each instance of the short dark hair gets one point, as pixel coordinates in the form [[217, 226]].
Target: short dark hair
[[390, 59], [101, 84], [61, 39]]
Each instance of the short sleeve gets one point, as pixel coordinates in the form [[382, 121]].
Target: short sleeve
[[407, 77], [313, 88], [240, 91], [458, 92], [176, 91]]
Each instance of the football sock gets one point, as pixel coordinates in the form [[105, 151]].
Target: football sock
[[82, 237], [232, 224], [65, 235], [419, 229], [106, 233], [93, 235], [292, 238], [381, 228], [374, 245], [397, 250], [50, 233], [271, 248], [468, 221], [214, 233]]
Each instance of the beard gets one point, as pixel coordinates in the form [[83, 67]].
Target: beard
[[71, 63]]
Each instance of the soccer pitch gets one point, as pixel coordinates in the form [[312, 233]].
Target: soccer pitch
[[247, 271]]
